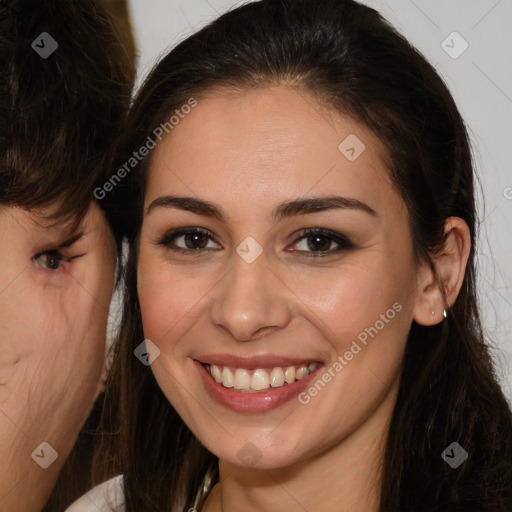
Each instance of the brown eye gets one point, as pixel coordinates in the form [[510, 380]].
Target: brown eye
[[191, 239], [318, 242], [195, 240]]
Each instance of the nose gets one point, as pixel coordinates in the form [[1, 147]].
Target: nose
[[251, 301]]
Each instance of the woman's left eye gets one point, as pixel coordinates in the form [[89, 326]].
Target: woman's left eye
[[318, 242], [51, 260]]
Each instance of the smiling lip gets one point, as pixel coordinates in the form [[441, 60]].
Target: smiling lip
[[241, 401]]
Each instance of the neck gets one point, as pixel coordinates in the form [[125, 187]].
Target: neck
[[345, 478]]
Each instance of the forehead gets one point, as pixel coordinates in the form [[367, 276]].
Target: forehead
[[265, 144]]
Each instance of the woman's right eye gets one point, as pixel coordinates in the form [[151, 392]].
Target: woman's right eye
[[50, 260], [192, 240]]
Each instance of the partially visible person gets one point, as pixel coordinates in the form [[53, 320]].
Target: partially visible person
[[65, 83]]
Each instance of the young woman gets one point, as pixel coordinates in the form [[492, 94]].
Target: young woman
[[302, 272], [65, 86]]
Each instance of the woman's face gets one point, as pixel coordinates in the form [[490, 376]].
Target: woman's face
[[55, 289], [310, 328]]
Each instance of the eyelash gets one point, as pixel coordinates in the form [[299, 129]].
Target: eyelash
[[343, 242]]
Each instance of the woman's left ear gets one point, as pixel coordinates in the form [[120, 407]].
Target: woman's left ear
[[450, 267]]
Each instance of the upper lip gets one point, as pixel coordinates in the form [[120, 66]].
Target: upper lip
[[254, 362]]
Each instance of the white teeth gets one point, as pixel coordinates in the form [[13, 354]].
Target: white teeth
[[227, 378], [260, 380], [242, 379], [216, 373], [289, 374], [276, 377], [301, 372]]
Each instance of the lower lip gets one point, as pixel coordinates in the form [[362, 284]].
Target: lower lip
[[253, 402]]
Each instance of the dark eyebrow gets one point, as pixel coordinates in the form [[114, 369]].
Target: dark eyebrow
[[284, 210], [319, 204]]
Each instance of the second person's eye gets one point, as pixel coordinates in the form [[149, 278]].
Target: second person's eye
[[51, 260]]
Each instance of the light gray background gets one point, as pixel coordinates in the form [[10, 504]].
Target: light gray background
[[481, 82]]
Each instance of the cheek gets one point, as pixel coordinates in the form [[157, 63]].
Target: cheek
[[55, 353], [346, 300], [91, 295], [362, 312], [155, 298], [68, 329], [168, 300]]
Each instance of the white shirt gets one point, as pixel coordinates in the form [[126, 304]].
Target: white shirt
[[106, 497]]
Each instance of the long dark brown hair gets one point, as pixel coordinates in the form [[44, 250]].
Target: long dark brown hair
[[351, 58]]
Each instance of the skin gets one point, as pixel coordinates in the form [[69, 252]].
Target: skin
[[249, 151], [52, 343]]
